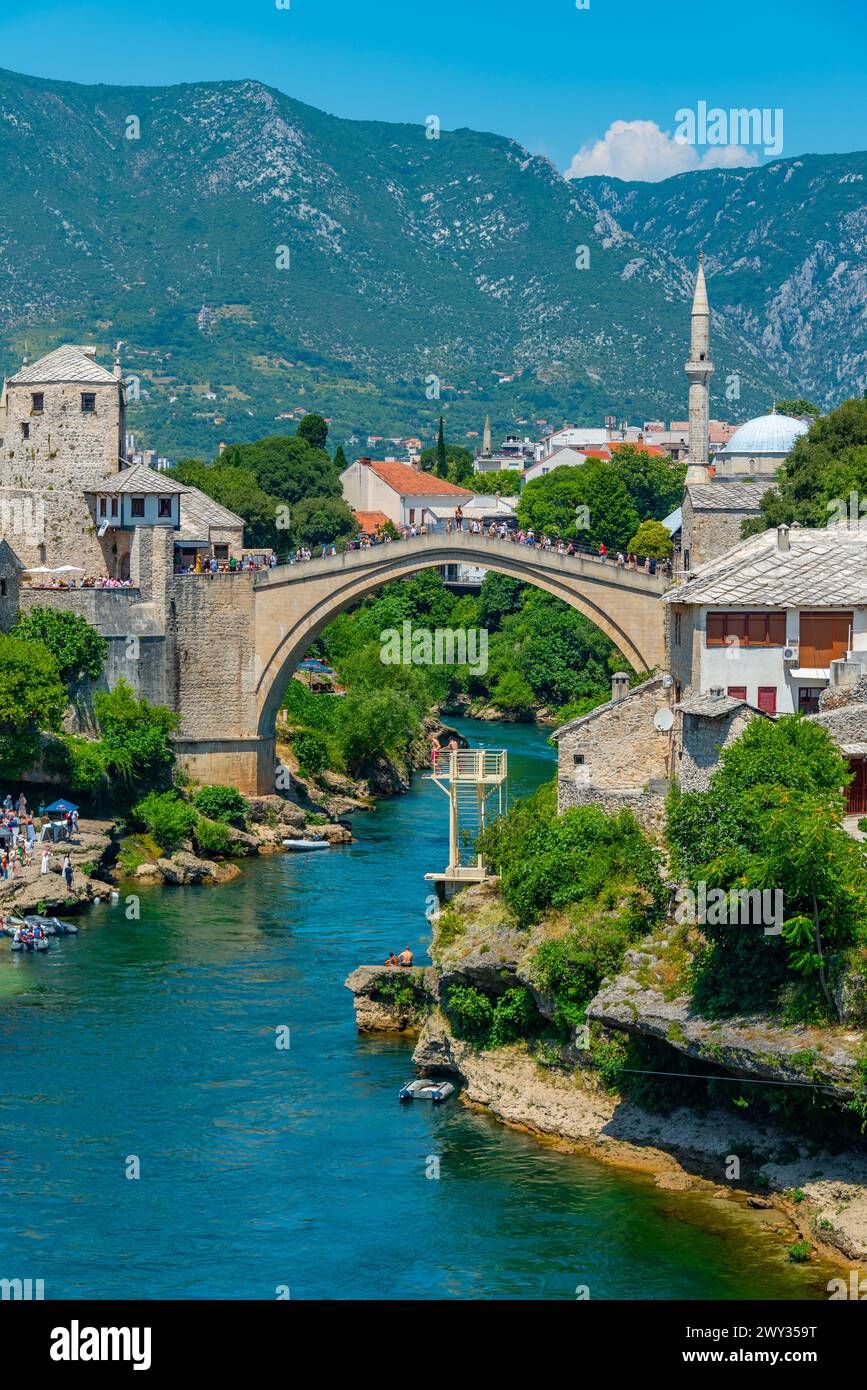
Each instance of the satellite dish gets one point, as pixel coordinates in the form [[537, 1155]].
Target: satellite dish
[[663, 720]]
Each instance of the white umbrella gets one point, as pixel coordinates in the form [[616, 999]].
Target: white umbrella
[[68, 569], [39, 569]]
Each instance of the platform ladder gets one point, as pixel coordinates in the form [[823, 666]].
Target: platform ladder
[[474, 780]]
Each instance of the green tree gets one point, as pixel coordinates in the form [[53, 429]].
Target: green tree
[[652, 539], [169, 819], [512, 695], [375, 723], [654, 484], [771, 818], [322, 519], [798, 406], [313, 429], [451, 461], [286, 467], [237, 489], [77, 648], [32, 697], [551, 504], [441, 464], [340, 460], [505, 483], [219, 803], [136, 734], [499, 596]]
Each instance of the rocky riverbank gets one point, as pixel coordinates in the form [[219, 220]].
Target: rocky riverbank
[[272, 819], [559, 1092], [91, 853], [333, 794]]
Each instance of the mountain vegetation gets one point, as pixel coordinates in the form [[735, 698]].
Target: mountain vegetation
[[261, 260]]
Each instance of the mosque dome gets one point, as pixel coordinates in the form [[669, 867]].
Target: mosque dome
[[766, 435]]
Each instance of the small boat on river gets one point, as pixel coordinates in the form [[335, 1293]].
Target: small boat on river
[[305, 844], [425, 1088], [26, 940], [51, 926]]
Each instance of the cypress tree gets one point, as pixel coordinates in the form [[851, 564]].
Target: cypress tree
[[441, 467]]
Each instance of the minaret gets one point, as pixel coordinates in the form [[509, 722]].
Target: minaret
[[486, 436], [698, 371]]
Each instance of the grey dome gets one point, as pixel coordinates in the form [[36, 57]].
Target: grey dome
[[767, 434]]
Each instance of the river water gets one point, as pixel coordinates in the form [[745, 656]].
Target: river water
[[151, 1045]]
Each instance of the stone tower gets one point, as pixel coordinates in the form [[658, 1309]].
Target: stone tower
[[486, 436], [698, 370]]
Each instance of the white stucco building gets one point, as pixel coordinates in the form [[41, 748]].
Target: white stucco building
[[405, 495], [774, 621]]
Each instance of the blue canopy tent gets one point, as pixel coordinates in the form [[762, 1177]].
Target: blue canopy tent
[[61, 807], [310, 664]]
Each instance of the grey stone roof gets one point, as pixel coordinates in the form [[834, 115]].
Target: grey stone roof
[[199, 513], [68, 364], [821, 569], [723, 496], [138, 479], [713, 706], [642, 689]]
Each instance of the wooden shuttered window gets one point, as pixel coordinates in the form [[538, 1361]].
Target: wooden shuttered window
[[824, 637], [750, 629]]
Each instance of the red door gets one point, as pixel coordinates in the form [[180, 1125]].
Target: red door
[[737, 692], [768, 699], [856, 792]]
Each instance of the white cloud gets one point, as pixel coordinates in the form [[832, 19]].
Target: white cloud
[[640, 150]]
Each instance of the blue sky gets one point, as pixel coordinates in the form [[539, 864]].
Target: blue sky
[[554, 76]]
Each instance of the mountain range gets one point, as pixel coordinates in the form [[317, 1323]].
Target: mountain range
[[258, 258]]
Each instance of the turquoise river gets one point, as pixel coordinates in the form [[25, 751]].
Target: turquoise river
[[263, 1168]]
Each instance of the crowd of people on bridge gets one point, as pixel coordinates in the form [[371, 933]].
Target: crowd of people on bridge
[[453, 525]]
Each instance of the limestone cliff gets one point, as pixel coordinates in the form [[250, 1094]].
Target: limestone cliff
[[556, 1080]]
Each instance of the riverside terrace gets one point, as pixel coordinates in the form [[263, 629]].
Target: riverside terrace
[[221, 649]]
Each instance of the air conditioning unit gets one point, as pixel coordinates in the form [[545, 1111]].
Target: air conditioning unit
[[790, 653]]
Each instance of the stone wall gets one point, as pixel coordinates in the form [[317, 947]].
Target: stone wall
[[699, 741], [708, 534], [646, 804], [67, 448], [9, 586], [217, 671], [620, 748], [684, 637], [55, 526]]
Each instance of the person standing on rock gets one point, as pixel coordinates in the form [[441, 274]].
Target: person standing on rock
[[67, 870], [46, 860]]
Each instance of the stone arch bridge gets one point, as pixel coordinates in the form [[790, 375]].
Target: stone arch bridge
[[238, 639]]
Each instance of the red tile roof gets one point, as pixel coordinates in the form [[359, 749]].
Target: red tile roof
[[645, 448], [370, 522], [603, 453], [411, 482]]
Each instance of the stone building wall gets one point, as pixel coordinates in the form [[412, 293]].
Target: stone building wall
[[67, 448], [646, 804], [707, 534], [699, 742], [684, 636], [54, 526], [9, 587], [618, 744]]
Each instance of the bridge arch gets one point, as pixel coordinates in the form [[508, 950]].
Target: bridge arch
[[295, 603]]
